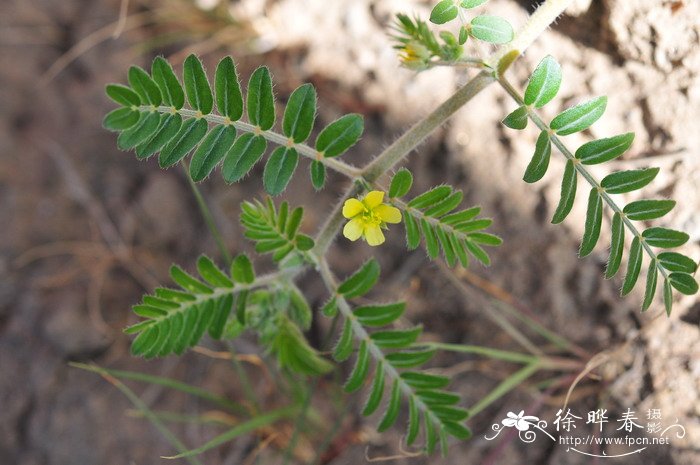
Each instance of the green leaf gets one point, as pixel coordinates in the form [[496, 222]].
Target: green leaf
[[617, 246], [244, 153], [668, 296], [540, 160], [673, 261], [120, 119], [628, 181], [665, 238], [580, 117], [144, 86], [492, 29], [602, 150], [634, 266], [123, 95], [340, 135], [261, 99], [650, 288], [359, 372], [211, 151], [187, 282], [222, 311], [140, 132], [169, 126], [229, 99], [170, 88], [457, 430], [594, 220], [419, 380], [463, 35], [444, 11], [544, 83], [472, 3], [486, 239], [190, 134], [401, 183], [197, 86], [304, 242], [392, 409], [410, 358], [432, 246], [684, 283], [568, 193], [361, 281], [517, 119], [446, 205], [396, 338], [318, 174], [375, 396], [330, 309], [294, 222], [412, 232], [343, 348], [430, 197], [379, 315], [280, 169], [211, 273], [300, 113], [413, 421], [648, 209]]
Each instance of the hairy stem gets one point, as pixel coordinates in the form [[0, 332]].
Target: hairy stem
[[546, 14], [422, 129], [583, 171], [303, 149]]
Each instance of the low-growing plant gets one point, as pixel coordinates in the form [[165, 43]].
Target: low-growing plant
[[216, 127]]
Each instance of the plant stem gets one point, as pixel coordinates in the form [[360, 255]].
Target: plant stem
[[208, 218], [505, 387], [304, 150], [422, 129], [539, 21], [581, 169]]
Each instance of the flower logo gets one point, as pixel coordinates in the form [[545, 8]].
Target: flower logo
[[520, 421]]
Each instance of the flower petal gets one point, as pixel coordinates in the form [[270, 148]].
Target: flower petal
[[388, 214], [374, 234], [353, 229], [352, 208], [373, 199]]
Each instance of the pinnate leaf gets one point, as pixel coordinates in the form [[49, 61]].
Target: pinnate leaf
[[628, 181], [568, 193], [167, 82], [241, 157], [261, 99], [280, 169], [444, 11], [665, 238], [361, 281], [648, 209], [401, 183], [537, 167]]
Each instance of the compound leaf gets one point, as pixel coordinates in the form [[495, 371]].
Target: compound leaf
[[665, 238], [443, 12], [144, 86], [401, 183], [190, 134], [684, 283], [634, 266], [361, 281], [594, 221], [617, 246]]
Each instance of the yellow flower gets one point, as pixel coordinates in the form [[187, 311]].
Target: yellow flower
[[368, 217]]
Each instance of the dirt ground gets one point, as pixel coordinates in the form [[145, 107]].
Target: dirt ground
[[88, 229]]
